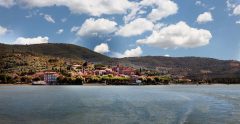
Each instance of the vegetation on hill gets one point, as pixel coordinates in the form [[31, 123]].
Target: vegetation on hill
[[188, 66], [18, 61], [56, 50], [18, 67]]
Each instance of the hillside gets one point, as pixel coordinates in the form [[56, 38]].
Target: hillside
[[56, 50], [192, 66], [186, 66]]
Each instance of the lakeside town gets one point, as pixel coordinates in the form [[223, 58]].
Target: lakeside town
[[89, 73], [22, 68], [34, 69]]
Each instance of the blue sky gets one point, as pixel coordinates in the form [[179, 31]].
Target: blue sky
[[126, 28]]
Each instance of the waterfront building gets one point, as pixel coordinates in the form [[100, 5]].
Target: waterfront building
[[50, 77]]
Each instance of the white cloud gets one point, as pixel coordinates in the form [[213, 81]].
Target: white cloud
[[92, 7], [136, 27], [161, 8], [7, 3], [97, 27], [212, 8], [158, 26], [35, 40], [60, 31], [200, 3], [130, 53], [230, 5], [102, 48], [238, 22], [236, 10], [177, 35], [135, 10], [234, 7], [205, 17], [49, 18], [167, 55], [3, 30], [74, 28]]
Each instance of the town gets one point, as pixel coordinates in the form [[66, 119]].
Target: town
[[89, 73], [24, 68], [33, 69]]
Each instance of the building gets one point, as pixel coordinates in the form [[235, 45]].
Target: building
[[76, 67], [39, 83], [124, 70], [50, 77], [39, 75], [104, 71]]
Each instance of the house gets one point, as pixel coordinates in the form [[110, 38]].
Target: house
[[39, 83], [103, 71], [76, 67], [124, 70], [39, 75], [50, 77], [184, 79], [128, 71]]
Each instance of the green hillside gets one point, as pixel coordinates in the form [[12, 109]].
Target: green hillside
[[187, 66], [56, 50]]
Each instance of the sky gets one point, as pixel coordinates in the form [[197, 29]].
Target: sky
[[127, 28]]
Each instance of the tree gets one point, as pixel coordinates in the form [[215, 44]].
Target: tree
[[79, 81], [36, 79], [26, 79], [3, 78]]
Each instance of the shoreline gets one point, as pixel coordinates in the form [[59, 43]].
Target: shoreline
[[99, 84]]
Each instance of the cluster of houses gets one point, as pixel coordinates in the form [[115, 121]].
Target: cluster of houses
[[50, 77], [119, 70]]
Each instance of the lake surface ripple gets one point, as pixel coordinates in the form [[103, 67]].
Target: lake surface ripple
[[173, 104]]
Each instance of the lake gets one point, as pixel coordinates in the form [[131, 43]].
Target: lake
[[172, 104]]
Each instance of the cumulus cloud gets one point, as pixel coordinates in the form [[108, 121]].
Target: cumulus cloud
[[91, 7], [7, 3], [3, 30], [233, 7], [135, 10], [159, 9], [236, 10], [162, 8], [178, 35], [102, 48], [35, 40], [49, 18], [100, 26], [136, 27], [205, 17], [130, 53], [60, 31]]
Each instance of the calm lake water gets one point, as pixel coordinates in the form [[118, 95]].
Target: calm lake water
[[214, 104]]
